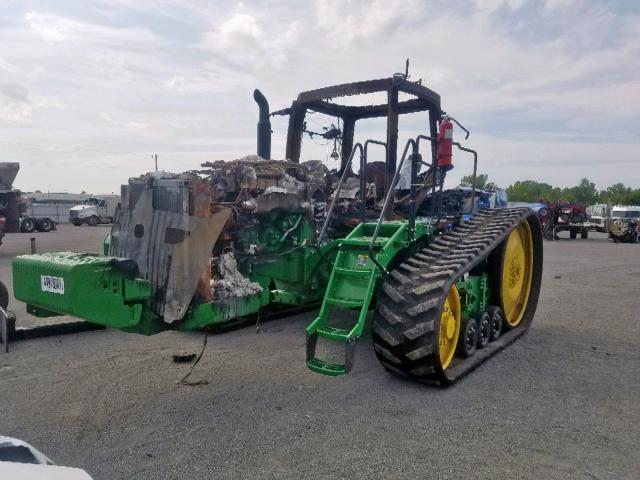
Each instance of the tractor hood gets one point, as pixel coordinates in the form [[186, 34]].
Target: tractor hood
[[82, 211], [81, 208]]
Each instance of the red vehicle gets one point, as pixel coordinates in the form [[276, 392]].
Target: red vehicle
[[563, 216]]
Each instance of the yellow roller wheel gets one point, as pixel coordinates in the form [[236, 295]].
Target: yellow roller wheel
[[517, 270], [449, 327]]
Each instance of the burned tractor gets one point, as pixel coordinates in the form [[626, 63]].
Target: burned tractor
[[561, 216], [448, 288]]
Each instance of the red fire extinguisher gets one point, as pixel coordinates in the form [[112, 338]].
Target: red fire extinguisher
[[445, 144]]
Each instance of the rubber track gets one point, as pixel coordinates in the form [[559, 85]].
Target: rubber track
[[410, 302]]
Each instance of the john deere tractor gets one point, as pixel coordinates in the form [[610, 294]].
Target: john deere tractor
[[376, 241]]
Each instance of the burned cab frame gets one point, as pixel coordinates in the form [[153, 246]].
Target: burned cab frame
[[320, 101]]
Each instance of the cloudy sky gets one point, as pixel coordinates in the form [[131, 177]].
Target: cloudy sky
[[89, 90]]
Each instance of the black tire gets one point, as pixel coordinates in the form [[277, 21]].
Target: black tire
[[468, 341], [27, 225], [484, 329], [109, 220], [584, 233], [573, 233], [497, 322], [4, 296], [44, 224], [549, 233], [93, 221], [77, 224]]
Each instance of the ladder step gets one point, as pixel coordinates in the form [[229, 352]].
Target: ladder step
[[334, 333], [327, 368], [363, 241], [352, 272], [343, 303]]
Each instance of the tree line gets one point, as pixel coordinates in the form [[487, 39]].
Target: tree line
[[584, 193]]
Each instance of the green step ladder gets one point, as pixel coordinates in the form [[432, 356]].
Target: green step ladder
[[351, 286]]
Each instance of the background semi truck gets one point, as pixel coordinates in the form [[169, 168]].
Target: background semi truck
[[13, 206], [94, 210]]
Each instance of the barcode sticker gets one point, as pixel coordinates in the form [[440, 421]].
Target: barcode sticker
[[52, 284]]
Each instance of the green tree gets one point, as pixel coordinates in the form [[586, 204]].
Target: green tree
[[618, 194], [585, 193], [482, 182], [532, 191]]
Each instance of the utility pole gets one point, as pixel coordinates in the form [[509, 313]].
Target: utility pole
[[155, 158]]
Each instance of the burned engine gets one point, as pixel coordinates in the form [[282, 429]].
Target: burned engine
[[218, 233]]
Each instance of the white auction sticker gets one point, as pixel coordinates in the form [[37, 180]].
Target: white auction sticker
[[52, 284]]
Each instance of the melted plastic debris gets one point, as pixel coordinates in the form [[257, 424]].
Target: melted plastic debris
[[232, 284]]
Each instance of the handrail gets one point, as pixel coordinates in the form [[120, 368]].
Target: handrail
[[436, 172], [475, 169], [411, 142], [337, 192], [464, 149]]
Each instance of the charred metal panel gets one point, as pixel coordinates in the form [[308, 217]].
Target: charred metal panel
[[172, 247], [171, 195]]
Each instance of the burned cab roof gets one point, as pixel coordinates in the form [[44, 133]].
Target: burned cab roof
[[319, 99]]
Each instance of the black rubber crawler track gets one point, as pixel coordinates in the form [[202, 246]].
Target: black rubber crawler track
[[407, 317]]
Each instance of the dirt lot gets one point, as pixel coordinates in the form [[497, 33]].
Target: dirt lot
[[562, 402]]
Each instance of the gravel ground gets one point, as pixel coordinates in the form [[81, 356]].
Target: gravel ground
[[562, 402]]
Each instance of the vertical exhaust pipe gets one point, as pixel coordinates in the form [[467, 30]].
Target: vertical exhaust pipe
[[264, 125]]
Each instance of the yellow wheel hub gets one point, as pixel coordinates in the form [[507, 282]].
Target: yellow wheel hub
[[517, 270], [449, 327]]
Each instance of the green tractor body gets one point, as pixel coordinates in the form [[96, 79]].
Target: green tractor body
[[212, 247]]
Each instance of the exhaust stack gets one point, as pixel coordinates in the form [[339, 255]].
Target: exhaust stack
[[264, 125]]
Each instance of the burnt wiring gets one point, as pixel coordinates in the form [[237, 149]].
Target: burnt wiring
[[183, 380]]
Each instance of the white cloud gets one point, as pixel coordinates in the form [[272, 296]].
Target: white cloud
[[543, 84], [493, 5], [53, 28], [15, 113], [242, 41], [363, 20], [559, 5]]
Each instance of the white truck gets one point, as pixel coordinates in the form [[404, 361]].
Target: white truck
[[601, 215], [94, 210]]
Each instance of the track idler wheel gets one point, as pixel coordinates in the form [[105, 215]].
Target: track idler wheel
[[512, 275], [468, 338], [497, 322], [484, 329]]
